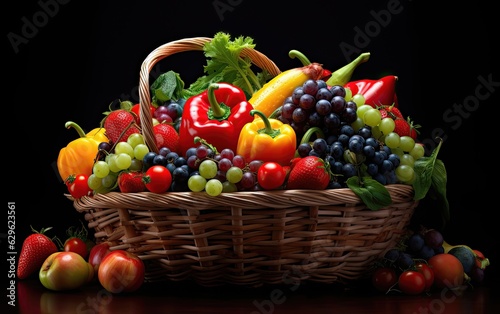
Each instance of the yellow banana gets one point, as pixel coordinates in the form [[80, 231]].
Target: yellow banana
[[273, 93], [447, 247]]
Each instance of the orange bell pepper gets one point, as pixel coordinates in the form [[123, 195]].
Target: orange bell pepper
[[79, 155], [267, 140]]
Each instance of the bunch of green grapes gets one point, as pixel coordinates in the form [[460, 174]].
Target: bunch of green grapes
[[383, 129], [222, 173], [124, 156]]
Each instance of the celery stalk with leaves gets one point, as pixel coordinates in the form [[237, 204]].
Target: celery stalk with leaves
[[224, 64]]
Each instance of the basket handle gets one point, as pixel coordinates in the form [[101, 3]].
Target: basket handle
[[173, 47]]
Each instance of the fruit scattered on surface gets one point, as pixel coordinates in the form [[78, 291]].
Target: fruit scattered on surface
[[121, 272], [65, 271], [441, 264], [97, 253]]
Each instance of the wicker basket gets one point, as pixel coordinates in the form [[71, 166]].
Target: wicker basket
[[245, 238]]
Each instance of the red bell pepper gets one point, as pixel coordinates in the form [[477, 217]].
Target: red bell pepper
[[376, 92], [216, 115]]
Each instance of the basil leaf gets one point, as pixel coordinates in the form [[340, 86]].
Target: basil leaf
[[430, 176], [439, 186], [370, 191], [424, 171]]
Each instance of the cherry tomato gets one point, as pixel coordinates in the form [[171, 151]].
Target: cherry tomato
[[77, 245], [411, 282], [271, 175], [78, 185], [448, 270], [383, 278], [428, 273], [158, 179]]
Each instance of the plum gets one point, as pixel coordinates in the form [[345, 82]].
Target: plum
[[465, 256], [477, 275], [433, 238]]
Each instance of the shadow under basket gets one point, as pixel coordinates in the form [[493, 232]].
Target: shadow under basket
[[250, 238]]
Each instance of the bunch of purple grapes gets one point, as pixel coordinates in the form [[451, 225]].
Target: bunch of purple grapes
[[315, 104], [349, 152], [352, 153], [417, 246]]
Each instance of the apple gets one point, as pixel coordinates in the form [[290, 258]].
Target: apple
[[65, 271], [97, 253], [121, 271]]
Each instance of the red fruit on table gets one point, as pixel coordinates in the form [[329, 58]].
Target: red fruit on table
[[411, 282], [384, 278], [36, 248], [121, 271], [97, 253], [428, 273], [77, 245], [65, 271], [448, 271]]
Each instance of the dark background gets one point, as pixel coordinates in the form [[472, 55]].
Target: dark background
[[87, 54]]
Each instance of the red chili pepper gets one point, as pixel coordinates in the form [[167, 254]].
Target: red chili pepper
[[376, 92], [216, 115]]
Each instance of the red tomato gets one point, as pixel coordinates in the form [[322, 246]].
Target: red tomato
[[411, 282], [76, 245], [136, 110], [158, 179], [271, 175], [428, 273], [78, 185], [448, 270], [383, 278]]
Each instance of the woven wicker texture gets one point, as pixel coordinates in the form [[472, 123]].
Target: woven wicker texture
[[245, 238]]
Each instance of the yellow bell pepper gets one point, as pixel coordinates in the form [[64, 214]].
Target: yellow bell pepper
[[267, 140], [79, 155]]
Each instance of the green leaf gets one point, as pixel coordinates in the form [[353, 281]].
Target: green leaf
[[370, 191], [431, 180], [439, 181], [224, 64], [167, 86], [424, 169]]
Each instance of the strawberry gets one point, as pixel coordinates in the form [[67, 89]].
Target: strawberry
[[117, 122], [390, 111], [310, 172], [36, 248], [406, 128], [131, 182], [395, 112], [166, 136]]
